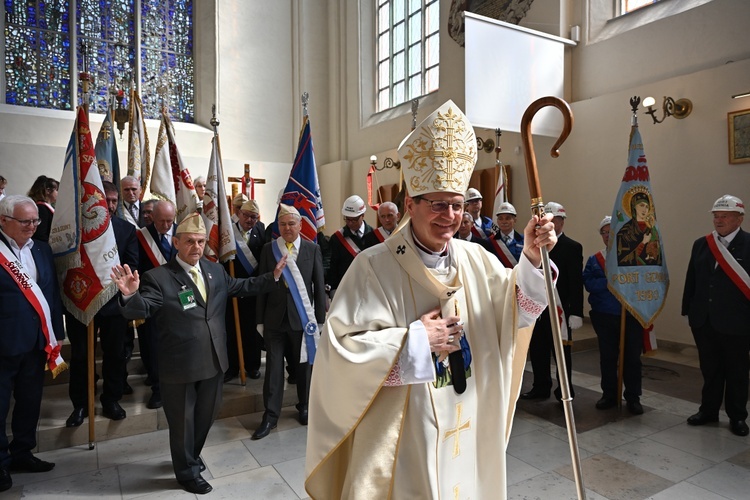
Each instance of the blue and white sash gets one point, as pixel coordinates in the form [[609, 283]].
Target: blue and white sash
[[296, 285], [244, 255]]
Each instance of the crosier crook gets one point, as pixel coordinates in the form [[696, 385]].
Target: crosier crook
[[537, 208]]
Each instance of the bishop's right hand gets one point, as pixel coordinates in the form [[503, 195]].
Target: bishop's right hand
[[126, 280]]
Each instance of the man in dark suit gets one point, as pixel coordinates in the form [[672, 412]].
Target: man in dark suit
[[716, 301], [28, 283], [348, 241], [568, 257], [388, 216], [131, 196], [250, 235], [187, 298], [289, 312], [112, 328], [155, 249]]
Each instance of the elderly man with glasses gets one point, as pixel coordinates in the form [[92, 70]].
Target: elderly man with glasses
[[32, 329], [250, 235]]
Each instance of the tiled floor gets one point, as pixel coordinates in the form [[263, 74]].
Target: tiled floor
[[655, 455]]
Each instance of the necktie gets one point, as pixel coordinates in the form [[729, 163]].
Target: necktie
[[133, 211], [198, 280], [723, 241], [290, 248], [166, 248]]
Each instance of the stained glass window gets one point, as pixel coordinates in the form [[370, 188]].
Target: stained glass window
[[37, 53]]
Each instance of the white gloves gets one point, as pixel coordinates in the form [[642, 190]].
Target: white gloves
[[575, 322]]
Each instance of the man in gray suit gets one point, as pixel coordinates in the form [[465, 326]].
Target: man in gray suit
[[290, 315], [187, 297]]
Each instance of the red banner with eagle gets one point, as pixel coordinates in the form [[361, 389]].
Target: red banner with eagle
[[81, 237]]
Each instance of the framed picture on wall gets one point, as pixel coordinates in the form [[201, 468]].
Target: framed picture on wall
[[739, 136]]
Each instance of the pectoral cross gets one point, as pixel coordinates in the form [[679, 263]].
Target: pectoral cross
[[456, 431], [247, 184]]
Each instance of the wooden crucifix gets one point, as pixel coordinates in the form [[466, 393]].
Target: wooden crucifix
[[247, 184]]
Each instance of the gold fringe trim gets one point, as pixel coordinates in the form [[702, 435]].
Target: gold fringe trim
[[58, 369]]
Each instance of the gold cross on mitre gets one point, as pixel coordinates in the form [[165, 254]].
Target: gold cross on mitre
[[440, 154], [456, 431]]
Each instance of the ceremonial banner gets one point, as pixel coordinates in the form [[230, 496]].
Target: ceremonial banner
[[138, 149], [303, 189], [106, 152], [216, 215], [636, 266], [81, 236], [170, 178]]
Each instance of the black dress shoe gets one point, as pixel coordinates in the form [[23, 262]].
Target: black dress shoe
[[303, 417], [739, 427], [606, 403], [154, 401], [113, 411], [198, 486], [229, 376], [31, 464], [701, 418], [635, 407], [76, 418], [126, 389], [264, 430], [254, 374], [535, 394], [6, 482]]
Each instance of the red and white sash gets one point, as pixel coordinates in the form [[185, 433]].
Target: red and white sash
[[381, 234], [478, 232], [51, 208], [729, 264], [348, 243], [151, 247], [503, 253], [601, 260], [31, 291]]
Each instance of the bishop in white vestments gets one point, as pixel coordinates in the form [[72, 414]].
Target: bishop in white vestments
[[421, 358]]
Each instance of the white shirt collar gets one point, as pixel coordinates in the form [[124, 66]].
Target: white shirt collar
[[728, 238], [14, 246], [187, 267]]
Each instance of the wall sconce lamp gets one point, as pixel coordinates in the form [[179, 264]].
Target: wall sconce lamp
[[740, 96], [388, 163], [486, 145], [679, 108]]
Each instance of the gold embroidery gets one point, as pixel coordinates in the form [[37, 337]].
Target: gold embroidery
[[442, 155], [456, 431]]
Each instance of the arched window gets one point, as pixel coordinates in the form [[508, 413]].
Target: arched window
[[115, 41], [408, 50]]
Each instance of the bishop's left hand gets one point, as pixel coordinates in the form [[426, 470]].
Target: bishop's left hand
[[538, 233]]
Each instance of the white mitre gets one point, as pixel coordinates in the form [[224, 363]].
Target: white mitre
[[439, 155]]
